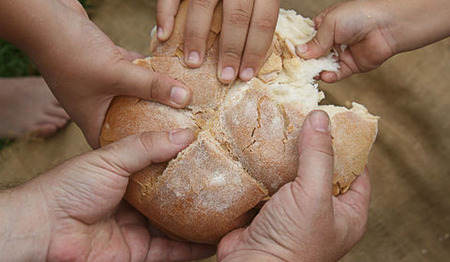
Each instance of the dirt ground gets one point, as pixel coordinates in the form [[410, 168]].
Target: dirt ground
[[410, 161]]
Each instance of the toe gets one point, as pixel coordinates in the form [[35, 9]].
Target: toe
[[58, 111], [56, 121], [46, 130]]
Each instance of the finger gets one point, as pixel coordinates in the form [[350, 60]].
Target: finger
[[315, 171], [53, 120], [260, 37], [140, 82], [58, 111], [166, 11], [343, 72], [198, 26], [133, 153], [45, 130], [347, 66], [321, 43], [133, 228], [130, 55], [352, 208], [164, 249], [236, 20], [358, 196], [319, 18]]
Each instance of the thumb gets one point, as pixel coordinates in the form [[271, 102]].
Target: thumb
[[137, 81], [315, 171], [136, 152], [96, 181], [322, 41]]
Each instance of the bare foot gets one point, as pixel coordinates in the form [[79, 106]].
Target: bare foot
[[27, 105]]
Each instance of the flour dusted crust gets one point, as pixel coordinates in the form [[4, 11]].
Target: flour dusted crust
[[200, 196], [246, 146]]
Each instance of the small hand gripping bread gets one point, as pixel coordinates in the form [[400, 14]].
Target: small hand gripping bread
[[246, 146]]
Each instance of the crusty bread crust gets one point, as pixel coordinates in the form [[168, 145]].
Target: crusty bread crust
[[246, 146]]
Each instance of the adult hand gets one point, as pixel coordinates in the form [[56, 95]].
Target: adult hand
[[81, 65], [247, 33], [74, 211], [303, 221], [367, 33]]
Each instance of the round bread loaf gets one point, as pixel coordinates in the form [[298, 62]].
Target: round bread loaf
[[246, 146]]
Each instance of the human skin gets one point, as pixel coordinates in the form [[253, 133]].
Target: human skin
[[27, 105], [80, 64], [74, 211], [247, 33], [374, 31], [303, 221]]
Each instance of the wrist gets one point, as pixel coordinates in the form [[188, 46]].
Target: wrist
[[416, 23], [24, 224]]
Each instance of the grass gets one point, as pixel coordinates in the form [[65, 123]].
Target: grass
[[84, 3], [14, 63]]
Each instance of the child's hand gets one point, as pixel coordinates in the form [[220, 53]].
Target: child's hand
[[367, 33], [357, 30], [247, 33]]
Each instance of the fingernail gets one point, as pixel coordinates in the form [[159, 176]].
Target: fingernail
[[160, 32], [319, 121], [193, 58], [178, 95], [247, 74], [180, 136], [227, 74], [301, 49]]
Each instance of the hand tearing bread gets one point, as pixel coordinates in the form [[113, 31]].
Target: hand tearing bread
[[246, 146]]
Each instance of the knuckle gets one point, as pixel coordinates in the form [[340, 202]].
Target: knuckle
[[232, 53], [240, 16], [155, 87], [254, 56], [146, 141], [265, 24], [204, 4], [318, 43], [324, 151]]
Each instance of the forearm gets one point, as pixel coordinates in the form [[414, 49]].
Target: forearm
[[26, 23], [416, 23], [45, 30], [23, 225]]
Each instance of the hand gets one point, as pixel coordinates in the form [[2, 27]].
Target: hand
[[247, 33], [303, 221], [374, 31], [77, 207], [81, 65]]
